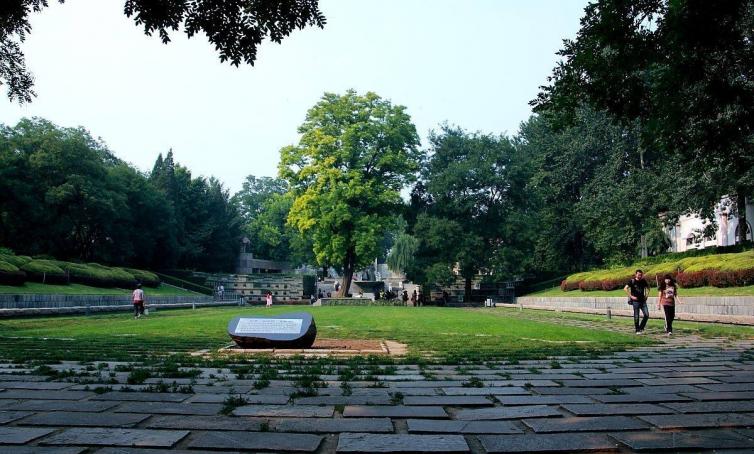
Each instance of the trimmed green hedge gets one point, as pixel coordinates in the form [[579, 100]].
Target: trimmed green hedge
[[45, 271], [720, 270], [147, 278], [11, 275], [17, 260]]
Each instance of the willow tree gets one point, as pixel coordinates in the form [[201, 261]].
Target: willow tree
[[402, 253], [355, 155]]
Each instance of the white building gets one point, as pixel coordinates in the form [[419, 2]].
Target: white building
[[688, 233]]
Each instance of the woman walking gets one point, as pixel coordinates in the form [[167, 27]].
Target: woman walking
[[269, 299], [667, 297]]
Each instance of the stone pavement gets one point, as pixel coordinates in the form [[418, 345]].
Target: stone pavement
[[687, 394]]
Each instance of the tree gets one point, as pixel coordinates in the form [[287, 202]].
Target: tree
[[235, 27], [683, 71], [402, 253], [473, 186], [355, 155]]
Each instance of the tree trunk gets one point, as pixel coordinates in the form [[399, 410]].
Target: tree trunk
[[467, 291], [349, 263], [743, 226]]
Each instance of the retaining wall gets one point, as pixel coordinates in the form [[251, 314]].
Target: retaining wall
[[15, 305], [725, 309]]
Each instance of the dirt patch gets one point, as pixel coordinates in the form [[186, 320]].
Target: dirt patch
[[327, 347]]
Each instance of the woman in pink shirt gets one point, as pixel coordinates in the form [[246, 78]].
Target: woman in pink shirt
[[667, 297], [138, 299]]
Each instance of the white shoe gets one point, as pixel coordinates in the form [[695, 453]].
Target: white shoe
[[638, 332]]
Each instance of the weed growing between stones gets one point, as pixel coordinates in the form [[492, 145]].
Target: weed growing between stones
[[232, 402]]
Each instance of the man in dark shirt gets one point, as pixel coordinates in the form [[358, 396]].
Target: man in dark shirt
[[637, 290]]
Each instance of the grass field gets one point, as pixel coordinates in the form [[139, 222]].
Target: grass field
[[699, 291], [451, 334], [78, 289]]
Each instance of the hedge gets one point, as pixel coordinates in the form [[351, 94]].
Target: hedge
[[11, 275], [45, 271], [16, 260], [720, 270], [146, 278], [120, 277]]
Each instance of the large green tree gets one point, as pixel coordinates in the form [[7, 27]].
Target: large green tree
[[683, 71], [355, 155], [475, 189], [235, 27]]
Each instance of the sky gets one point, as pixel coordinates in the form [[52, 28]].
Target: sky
[[475, 64]]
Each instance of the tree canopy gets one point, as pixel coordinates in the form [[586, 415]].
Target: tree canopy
[[235, 27], [355, 155], [682, 71]]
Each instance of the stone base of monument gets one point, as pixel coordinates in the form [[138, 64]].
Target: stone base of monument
[[324, 347]]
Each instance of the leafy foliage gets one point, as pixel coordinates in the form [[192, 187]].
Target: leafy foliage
[[355, 155], [235, 27]]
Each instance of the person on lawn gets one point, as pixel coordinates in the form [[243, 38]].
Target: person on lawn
[[138, 300], [637, 290], [667, 298]]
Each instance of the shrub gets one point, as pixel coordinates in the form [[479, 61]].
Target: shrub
[[81, 273], [11, 275], [693, 279], [587, 286], [613, 284], [568, 286], [45, 271], [16, 260], [145, 277], [120, 277]]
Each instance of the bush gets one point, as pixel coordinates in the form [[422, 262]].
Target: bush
[[16, 260], [120, 277], [587, 286], [568, 286], [613, 284], [45, 271], [81, 273], [693, 279], [145, 277], [11, 275]]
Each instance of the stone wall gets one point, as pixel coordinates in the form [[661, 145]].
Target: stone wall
[[725, 309], [15, 305]]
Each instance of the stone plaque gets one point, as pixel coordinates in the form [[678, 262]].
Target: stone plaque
[[292, 330]]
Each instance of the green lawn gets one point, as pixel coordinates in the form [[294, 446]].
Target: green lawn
[[699, 291], [78, 289], [446, 334]]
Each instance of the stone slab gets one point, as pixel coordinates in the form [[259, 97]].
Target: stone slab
[[639, 398], [609, 383], [570, 391], [61, 405], [165, 408], [66, 418], [39, 385], [330, 425], [615, 409], [142, 397], [21, 435], [401, 443], [41, 450], [451, 401], [396, 411], [712, 406], [699, 421], [462, 427], [117, 437], [293, 411], [343, 400], [670, 389], [703, 439], [9, 416], [517, 412], [585, 424], [676, 381], [546, 443], [255, 441], [269, 399], [194, 422], [544, 400], [44, 394], [717, 395], [486, 391]]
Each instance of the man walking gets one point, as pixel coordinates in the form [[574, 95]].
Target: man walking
[[138, 299], [637, 290]]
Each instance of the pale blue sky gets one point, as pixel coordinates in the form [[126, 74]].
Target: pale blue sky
[[471, 63]]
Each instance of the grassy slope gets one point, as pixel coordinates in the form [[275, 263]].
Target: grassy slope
[[699, 291], [78, 289], [452, 333]]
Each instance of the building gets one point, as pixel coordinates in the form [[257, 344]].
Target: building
[[688, 232], [247, 264]]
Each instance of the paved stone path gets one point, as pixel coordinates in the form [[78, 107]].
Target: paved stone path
[[688, 394]]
